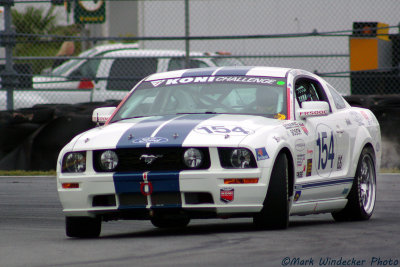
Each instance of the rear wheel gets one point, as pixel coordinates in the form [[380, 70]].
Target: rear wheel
[[82, 227], [275, 213], [361, 199]]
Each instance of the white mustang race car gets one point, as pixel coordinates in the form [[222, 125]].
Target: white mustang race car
[[222, 142]]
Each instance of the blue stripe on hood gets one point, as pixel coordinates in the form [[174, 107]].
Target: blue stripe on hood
[[133, 137], [177, 130]]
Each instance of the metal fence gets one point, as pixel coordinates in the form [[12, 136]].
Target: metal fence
[[42, 43]]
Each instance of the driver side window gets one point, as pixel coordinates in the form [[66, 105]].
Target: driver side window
[[308, 90]]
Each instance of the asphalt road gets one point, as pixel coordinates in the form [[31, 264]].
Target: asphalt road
[[32, 234]]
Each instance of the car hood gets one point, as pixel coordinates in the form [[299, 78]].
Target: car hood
[[175, 131]]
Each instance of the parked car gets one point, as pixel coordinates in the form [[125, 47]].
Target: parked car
[[107, 72], [112, 74], [222, 142], [26, 98]]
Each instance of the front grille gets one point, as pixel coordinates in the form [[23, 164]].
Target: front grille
[[168, 159]]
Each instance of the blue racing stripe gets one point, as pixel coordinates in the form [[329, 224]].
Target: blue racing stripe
[[324, 184], [135, 137], [131, 183], [198, 72], [233, 71], [177, 130]]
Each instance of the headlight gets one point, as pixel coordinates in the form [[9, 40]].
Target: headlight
[[193, 158], [239, 158], [108, 160], [74, 162]]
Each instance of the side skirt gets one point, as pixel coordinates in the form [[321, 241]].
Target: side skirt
[[321, 206]]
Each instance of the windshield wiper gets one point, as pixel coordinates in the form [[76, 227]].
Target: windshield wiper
[[135, 117], [206, 112]]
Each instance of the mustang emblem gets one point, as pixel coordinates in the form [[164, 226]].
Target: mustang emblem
[[148, 159]]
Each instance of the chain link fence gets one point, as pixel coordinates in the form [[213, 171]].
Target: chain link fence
[[69, 51]]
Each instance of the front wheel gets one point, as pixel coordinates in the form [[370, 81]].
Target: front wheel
[[85, 227], [361, 199], [275, 213]]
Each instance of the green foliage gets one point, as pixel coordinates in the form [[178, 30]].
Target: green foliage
[[37, 21], [27, 173], [34, 21]]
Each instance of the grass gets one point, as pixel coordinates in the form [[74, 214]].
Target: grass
[[27, 173]]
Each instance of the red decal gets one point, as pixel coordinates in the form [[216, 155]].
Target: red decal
[[227, 194]]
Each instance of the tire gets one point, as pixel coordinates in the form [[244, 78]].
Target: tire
[[82, 227], [275, 211], [361, 199], [173, 222]]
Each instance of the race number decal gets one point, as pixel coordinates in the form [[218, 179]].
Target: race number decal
[[325, 150], [221, 129]]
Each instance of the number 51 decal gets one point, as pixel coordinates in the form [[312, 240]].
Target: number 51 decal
[[326, 149]]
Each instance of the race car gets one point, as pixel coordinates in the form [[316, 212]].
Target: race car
[[222, 142]]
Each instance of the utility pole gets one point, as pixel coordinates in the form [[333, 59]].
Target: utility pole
[[7, 40]]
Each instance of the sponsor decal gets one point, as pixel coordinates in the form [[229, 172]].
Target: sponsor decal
[[227, 194], [295, 131], [357, 117], [364, 114], [146, 187], [150, 140], [339, 162], [277, 139], [300, 159], [299, 174], [297, 196], [304, 128], [313, 113], [300, 145], [261, 153], [310, 152], [157, 83], [217, 79], [309, 167], [223, 129], [290, 125]]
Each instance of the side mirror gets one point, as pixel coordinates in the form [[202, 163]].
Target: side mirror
[[313, 109], [101, 115]]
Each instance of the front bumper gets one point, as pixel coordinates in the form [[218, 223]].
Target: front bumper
[[199, 194]]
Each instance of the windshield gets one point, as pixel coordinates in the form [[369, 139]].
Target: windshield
[[68, 65], [264, 96]]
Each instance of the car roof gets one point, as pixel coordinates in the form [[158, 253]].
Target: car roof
[[152, 53], [218, 71], [107, 48]]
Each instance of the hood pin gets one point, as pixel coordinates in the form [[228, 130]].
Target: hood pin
[[175, 135], [130, 137], [227, 136]]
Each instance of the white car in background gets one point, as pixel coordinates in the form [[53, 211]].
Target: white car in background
[[27, 98], [222, 142], [111, 74], [108, 72]]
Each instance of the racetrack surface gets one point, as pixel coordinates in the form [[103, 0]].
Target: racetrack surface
[[32, 234]]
